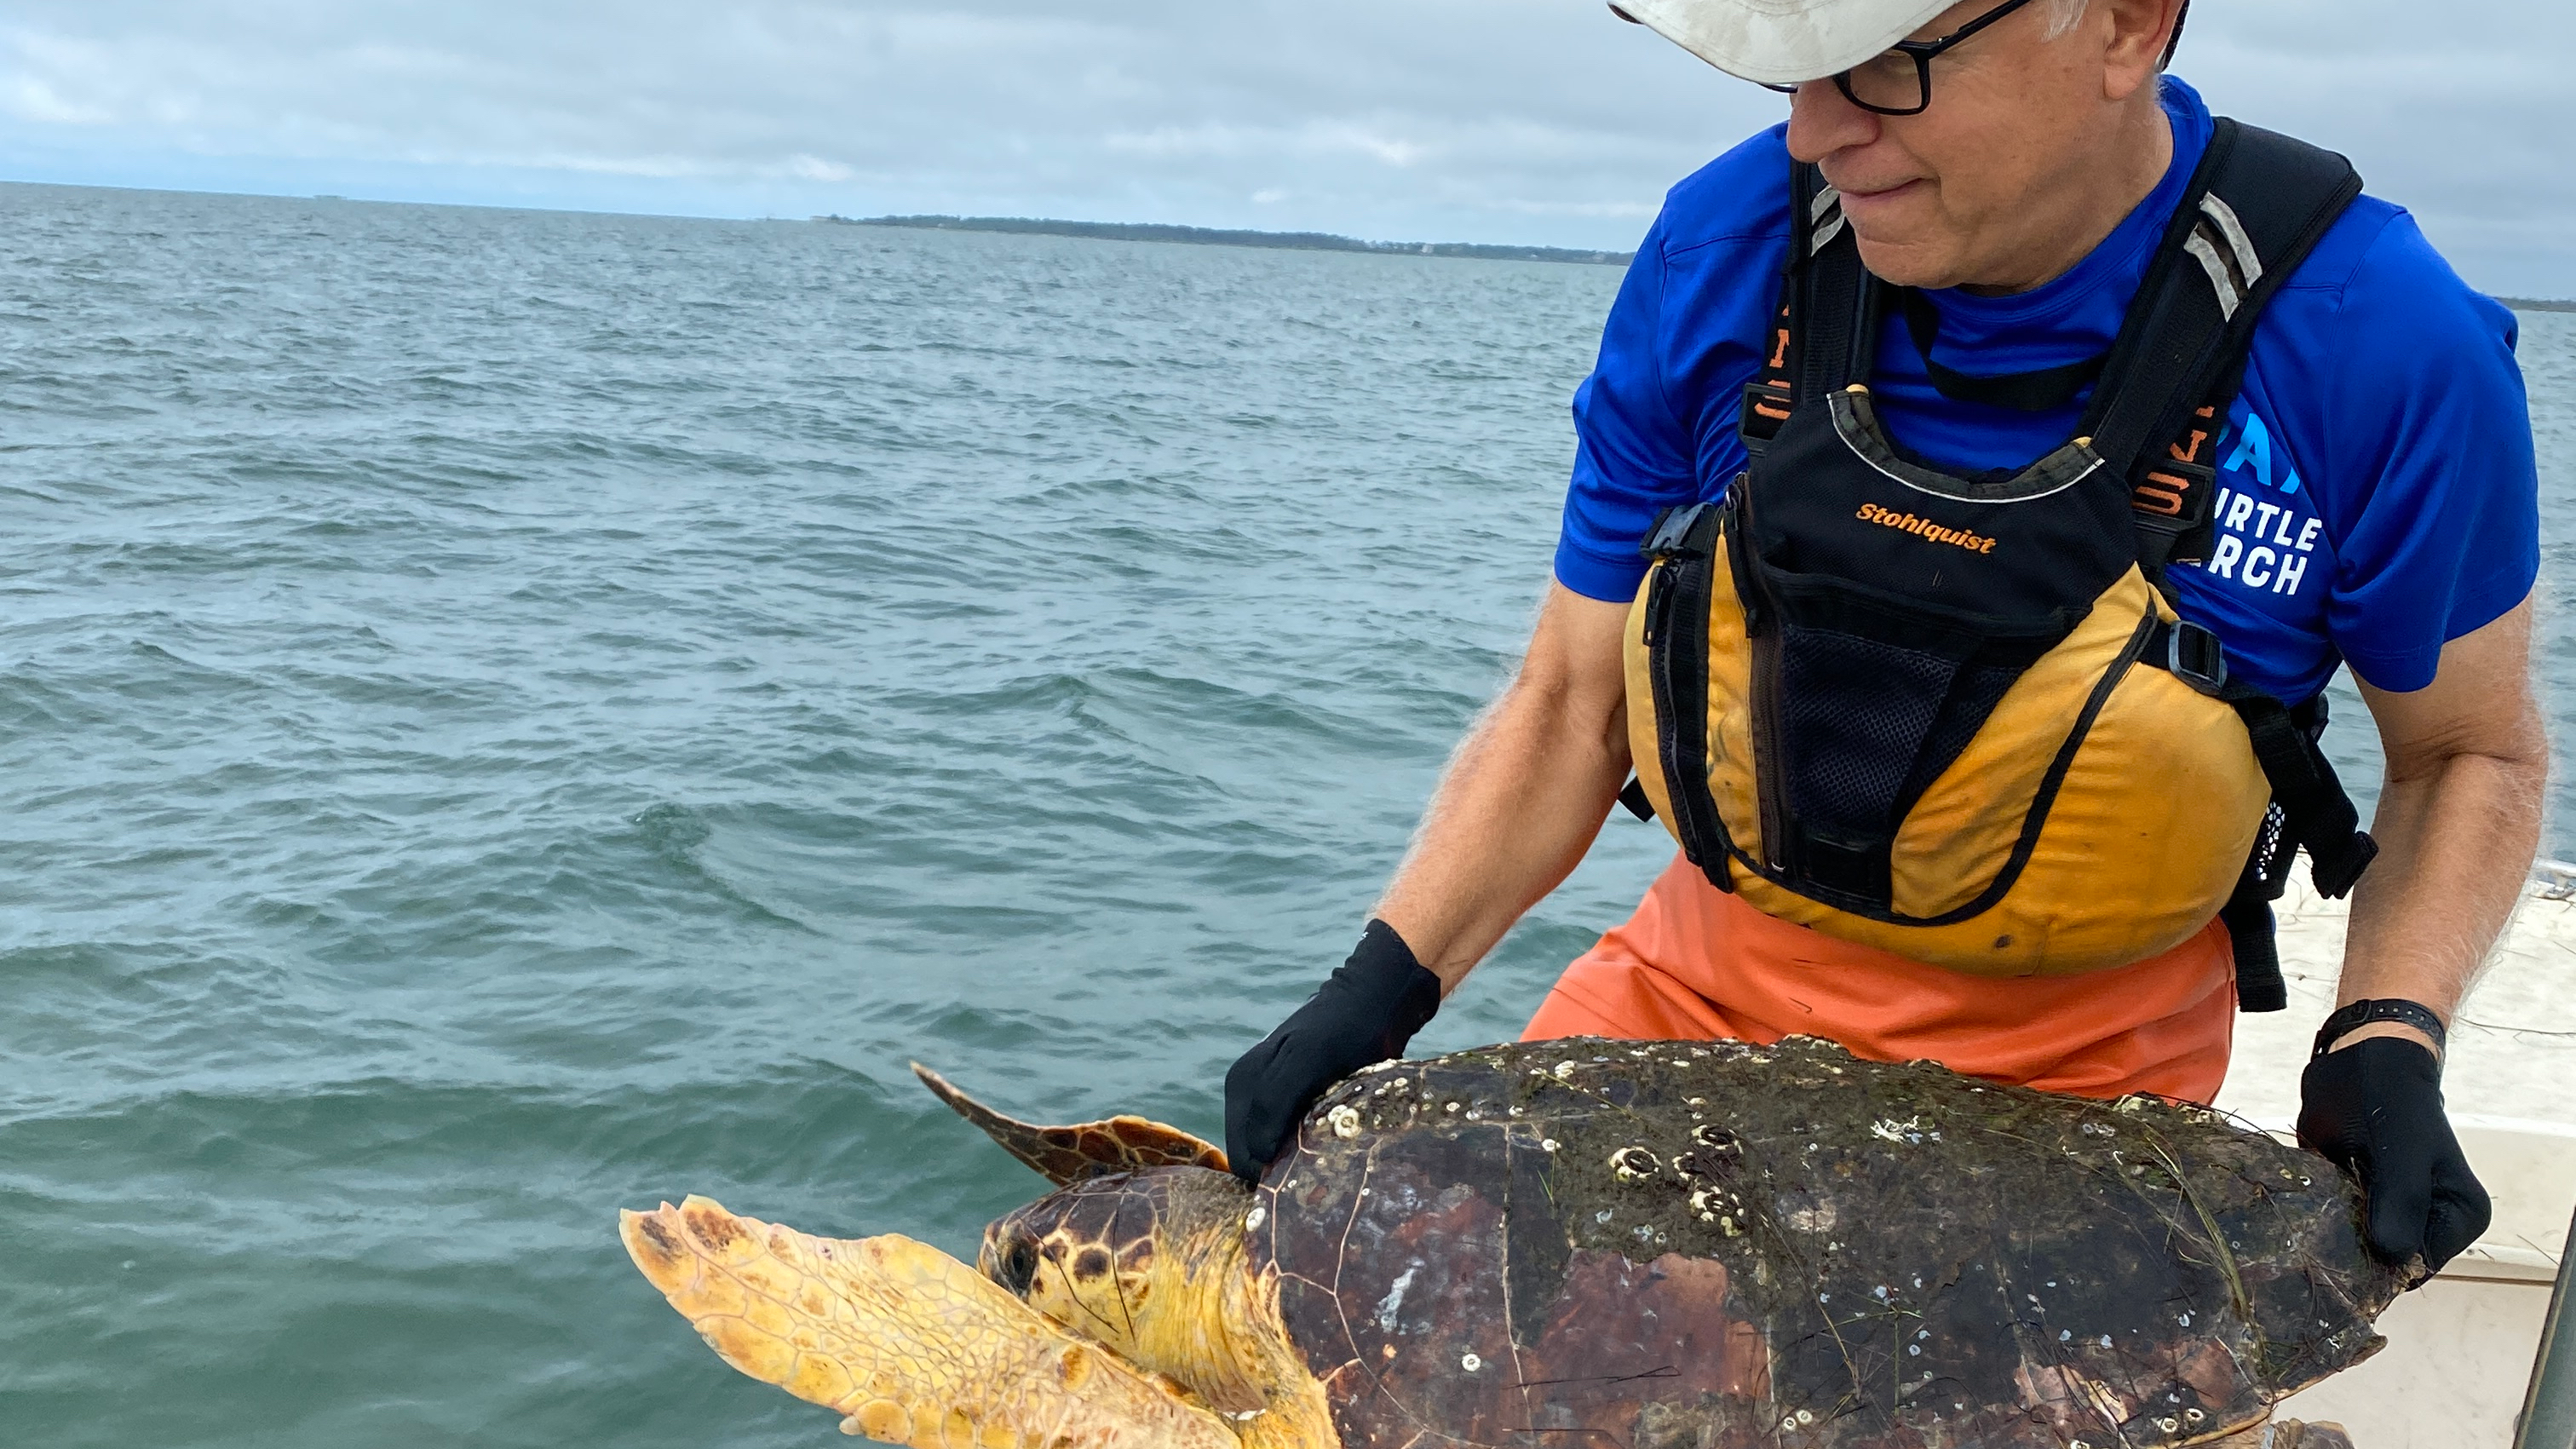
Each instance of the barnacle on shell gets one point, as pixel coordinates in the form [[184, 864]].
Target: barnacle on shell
[[1717, 1139], [1708, 1200], [1634, 1164]]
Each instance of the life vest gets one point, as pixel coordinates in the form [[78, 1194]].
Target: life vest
[[1956, 716]]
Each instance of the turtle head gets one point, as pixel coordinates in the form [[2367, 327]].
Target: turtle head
[[1143, 1249], [1150, 1263], [1157, 1265]]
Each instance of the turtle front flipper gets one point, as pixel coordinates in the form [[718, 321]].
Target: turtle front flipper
[[1069, 1154], [908, 1344]]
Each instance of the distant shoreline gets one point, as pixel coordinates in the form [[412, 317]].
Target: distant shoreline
[[1302, 241], [1318, 241]]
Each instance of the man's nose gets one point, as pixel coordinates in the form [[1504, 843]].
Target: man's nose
[[1822, 121]]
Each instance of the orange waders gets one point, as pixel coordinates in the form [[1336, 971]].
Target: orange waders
[[1695, 962]]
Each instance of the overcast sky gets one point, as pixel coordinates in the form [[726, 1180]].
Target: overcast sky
[[1470, 120]]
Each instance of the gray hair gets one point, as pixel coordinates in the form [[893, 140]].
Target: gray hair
[[2063, 16]]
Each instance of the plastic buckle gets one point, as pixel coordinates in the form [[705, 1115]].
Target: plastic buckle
[[1671, 532], [2194, 656], [1758, 418]]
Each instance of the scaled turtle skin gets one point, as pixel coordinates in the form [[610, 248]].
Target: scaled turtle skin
[[1678, 1245]]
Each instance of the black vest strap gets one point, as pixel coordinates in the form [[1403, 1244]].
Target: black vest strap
[[1834, 300], [1633, 795], [2255, 207], [2315, 811], [2254, 939]]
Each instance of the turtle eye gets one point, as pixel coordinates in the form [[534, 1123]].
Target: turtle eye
[[1019, 1267]]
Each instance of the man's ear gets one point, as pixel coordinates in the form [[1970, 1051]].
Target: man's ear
[[2134, 49]]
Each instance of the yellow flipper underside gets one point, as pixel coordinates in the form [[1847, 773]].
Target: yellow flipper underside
[[908, 1344]]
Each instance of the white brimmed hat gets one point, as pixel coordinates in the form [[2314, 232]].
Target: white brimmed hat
[[1776, 42]]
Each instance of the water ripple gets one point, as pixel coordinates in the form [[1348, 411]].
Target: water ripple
[[505, 716]]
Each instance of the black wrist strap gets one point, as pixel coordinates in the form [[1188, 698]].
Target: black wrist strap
[[2362, 1013]]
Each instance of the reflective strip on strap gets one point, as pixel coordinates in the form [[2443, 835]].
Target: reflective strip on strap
[[1826, 211], [2234, 272], [2249, 262], [2205, 252]]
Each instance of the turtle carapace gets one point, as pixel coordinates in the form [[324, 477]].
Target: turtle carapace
[[1662, 1245]]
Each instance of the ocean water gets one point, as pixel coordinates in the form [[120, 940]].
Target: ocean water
[[505, 716]]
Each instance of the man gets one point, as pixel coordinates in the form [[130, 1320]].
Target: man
[[2015, 165]]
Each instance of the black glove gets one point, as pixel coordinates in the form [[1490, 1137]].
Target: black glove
[[1365, 1012], [2375, 1109]]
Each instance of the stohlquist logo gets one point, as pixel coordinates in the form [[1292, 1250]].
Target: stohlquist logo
[[1924, 528]]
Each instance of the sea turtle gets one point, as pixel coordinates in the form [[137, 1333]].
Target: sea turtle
[[1665, 1245]]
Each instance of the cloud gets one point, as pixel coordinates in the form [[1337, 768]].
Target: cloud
[[1238, 142], [1454, 118], [815, 168], [2461, 115], [1522, 120], [27, 98]]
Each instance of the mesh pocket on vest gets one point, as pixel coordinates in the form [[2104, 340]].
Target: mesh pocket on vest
[[1864, 727], [1852, 713]]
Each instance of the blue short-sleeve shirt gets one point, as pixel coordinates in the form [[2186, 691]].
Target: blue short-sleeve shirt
[[2378, 495]]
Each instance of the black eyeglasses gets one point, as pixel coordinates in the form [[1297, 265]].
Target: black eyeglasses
[[1898, 82]]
